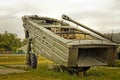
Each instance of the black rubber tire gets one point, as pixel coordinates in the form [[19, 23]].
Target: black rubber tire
[[33, 61], [73, 71], [76, 70], [83, 68]]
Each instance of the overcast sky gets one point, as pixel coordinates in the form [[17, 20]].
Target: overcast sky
[[100, 15]]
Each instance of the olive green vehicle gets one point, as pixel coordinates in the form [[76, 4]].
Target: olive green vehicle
[[67, 45]]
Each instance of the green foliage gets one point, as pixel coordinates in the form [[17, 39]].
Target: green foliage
[[9, 42], [12, 59], [117, 63], [24, 42], [43, 73]]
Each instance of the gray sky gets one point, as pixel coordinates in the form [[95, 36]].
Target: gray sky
[[100, 15]]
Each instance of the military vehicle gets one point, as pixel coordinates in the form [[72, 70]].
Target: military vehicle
[[65, 44]]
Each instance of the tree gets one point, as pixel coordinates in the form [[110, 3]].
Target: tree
[[24, 42], [9, 42]]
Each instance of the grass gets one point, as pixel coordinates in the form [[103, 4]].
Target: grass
[[43, 73], [19, 59], [12, 60]]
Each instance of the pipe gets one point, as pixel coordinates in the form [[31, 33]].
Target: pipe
[[65, 17]]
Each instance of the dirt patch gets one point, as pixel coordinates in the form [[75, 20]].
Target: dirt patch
[[1, 67], [7, 70], [21, 65], [10, 70]]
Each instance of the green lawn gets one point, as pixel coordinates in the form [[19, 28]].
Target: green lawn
[[43, 73]]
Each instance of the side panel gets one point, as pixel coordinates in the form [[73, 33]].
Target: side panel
[[47, 45], [73, 56], [111, 56]]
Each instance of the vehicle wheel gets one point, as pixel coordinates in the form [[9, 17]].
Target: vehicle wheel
[[77, 70], [83, 68], [73, 71], [33, 59]]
